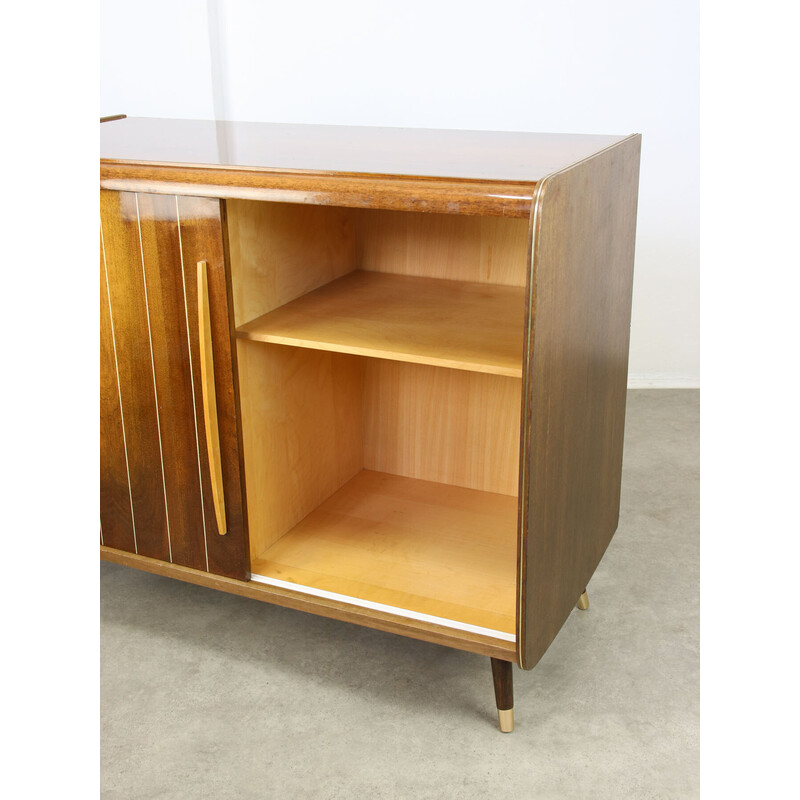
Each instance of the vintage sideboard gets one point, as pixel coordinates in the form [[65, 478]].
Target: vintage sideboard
[[370, 373]]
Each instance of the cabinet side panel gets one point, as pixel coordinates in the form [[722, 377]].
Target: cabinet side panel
[[280, 251], [116, 522], [576, 372], [301, 431], [203, 239], [128, 308], [166, 306]]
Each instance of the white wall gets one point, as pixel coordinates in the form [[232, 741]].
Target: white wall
[[581, 66]]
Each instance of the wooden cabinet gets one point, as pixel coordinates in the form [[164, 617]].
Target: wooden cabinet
[[420, 345]]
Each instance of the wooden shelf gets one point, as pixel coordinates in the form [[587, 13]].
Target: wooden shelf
[[469, 326], [418, 547]]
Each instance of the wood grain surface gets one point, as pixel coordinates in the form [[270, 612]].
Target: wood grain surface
[[281, 251], [128, 304], [169, 337], [154, 348], [442, 425], [426, 547], [575, 385], [455, 172], [447, 246], [503, 676], [301, 428], [203, 238], [116, 520], [209, 398], [393, 193], [447, 323], [408, 152]]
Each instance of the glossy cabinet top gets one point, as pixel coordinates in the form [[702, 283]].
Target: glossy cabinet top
[[344, 150]]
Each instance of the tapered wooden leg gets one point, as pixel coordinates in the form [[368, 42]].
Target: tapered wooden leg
[[504, 693], [583, 601]]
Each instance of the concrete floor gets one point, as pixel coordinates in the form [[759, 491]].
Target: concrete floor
[[206, 695]]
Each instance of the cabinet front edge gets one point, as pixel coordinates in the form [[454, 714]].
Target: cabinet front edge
[[448, 196]]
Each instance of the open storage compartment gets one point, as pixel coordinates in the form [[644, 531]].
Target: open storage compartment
[[380, 358]]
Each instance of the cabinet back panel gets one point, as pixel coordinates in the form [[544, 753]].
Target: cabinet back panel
[[301, 426], [443, 425], [480, 249], [280, 251]]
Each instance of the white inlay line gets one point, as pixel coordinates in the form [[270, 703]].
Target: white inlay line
[[119, 391], [191, 373], [155, 388], [396, 610]]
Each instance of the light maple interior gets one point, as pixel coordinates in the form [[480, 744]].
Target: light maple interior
[[380, 357]]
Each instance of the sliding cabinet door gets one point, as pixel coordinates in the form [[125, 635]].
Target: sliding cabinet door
[[170, 485]]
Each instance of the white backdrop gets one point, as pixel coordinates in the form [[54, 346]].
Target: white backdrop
[[578, 66]]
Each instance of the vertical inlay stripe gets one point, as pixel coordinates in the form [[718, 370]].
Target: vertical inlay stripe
[[119, 391], [153, 365], [191, 374]]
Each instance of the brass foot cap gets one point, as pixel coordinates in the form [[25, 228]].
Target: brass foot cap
[[506, 718], [583, 602]]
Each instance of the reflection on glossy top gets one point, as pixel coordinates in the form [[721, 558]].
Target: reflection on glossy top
[[476, 155]]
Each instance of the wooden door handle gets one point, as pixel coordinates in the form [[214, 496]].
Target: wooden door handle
[[210, 396]]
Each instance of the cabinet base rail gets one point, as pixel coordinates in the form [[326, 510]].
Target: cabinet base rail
[[333, 609], [397, 611]]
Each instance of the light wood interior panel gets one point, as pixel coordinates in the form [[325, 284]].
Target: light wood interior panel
[[313, 419], [469, 326], [280, 251], [421, 546], [480, 249], [301, 426], [443, 425]]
